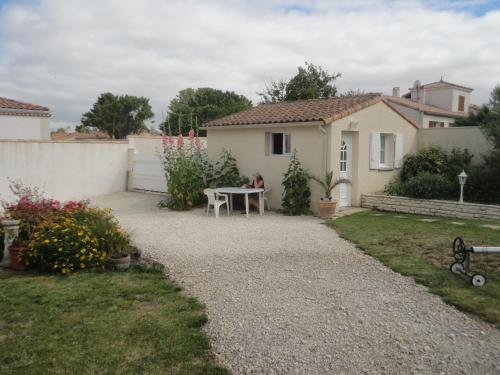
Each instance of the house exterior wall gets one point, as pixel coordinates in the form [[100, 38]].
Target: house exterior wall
[[65, 170], [376, 118], [455, 95], [249, 147], [317, 151], [442, 98], [469, 137], [24, 127], [427, 118]]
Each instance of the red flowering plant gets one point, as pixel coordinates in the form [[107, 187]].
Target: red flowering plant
[[32, 208]]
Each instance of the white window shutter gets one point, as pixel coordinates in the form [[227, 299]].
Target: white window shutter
[[374, 150], [398, 151]]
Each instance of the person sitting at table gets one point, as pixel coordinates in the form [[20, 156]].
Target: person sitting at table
[[257, 183]]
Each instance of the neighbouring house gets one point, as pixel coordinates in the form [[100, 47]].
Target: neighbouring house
[[362, 137], [434, 105], [19, 120]]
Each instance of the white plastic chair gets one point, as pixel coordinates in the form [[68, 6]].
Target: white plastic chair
[[213, 200], [267, 189]]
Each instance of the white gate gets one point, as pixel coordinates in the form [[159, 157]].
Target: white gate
[[147, 173]]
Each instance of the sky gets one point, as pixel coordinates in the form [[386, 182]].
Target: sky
[[64, 53]]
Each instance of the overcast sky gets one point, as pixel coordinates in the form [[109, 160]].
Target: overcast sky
[[64, 53]]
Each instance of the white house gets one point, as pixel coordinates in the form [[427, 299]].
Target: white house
[[20, 120], [433, 105]]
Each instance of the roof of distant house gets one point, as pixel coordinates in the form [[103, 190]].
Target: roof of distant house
[[443, 84], [426, 108], [77, 136], [312, 110], [14, 107]]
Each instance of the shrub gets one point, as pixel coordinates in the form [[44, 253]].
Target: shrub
[[189, 170], [483, 183], [104, 226], [426, 185], [393, 187], [184, 169], [296, 194], [61, 244], [436, 161]]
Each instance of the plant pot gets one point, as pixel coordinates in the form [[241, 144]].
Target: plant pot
[[15, 250], [122, 263], [327, 208]]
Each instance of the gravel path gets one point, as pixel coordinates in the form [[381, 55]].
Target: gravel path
[[286, 295]]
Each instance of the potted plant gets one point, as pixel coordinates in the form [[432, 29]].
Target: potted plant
[[119, 249], [16, 251], [327, 204]]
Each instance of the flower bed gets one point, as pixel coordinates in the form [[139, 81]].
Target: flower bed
[[64, 236]]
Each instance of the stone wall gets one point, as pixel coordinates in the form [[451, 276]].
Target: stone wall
[[430, 207]]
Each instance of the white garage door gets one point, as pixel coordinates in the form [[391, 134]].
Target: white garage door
[[148, 173]]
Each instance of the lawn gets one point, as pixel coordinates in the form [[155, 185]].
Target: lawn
[[132, 322], [423, 250]]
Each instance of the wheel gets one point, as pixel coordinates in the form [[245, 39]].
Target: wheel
[[478, 280], [459, 252], [457, 268]]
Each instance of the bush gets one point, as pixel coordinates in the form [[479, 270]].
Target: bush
[[483, 183], [393, 187], [426, 185], [61, 244], [436, 161], [296, 194], [189, 171], [185, 167], [104, 226]]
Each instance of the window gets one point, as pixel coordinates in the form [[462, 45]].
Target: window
[[280, 144], [436, 124], [343, 157], [383, 148], [461, 103]]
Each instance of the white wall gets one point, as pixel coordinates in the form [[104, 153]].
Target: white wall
[[65, 170], [442, 98], [469, 137], [24, 127]]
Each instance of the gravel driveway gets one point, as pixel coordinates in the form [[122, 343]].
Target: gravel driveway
[[286, 295]]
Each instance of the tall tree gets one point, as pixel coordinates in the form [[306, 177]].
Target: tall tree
[[118, 116], [310, 82], [193, 107]]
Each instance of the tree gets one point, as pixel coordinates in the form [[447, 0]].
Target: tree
[[193, 107], [118, 116], [484, 180], [296, 197], [310, 82]]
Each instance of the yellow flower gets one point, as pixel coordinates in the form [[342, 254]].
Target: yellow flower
[[60, 249], [80, 233], [82, 265], [46, 241]]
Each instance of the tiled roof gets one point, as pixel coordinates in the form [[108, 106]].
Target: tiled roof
[[298, 111], [14, 104], [76, 136], [426, 108]]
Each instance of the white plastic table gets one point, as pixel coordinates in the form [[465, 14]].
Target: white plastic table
[[245, 191]]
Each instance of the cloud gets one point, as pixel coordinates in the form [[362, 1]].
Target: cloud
[[65, 53]]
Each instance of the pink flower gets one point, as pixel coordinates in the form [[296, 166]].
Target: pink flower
[[165, 139], [180, 141], [191, 135], [197, 143], [56, 205]]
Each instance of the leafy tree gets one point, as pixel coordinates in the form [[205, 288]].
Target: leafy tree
[[193, 107], [487, 116], [310, 82], [296, 193], [118, 116]]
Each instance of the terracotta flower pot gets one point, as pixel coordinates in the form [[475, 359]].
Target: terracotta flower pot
[[327, 208], [15, 250], [122, 263]]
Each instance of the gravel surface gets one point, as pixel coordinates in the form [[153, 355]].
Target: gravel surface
[[286, 295]]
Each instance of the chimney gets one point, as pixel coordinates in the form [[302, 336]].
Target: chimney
[[395, 91]]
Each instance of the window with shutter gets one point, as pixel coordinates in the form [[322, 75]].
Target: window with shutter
[[280, 143], [374, 150], [461, 103]]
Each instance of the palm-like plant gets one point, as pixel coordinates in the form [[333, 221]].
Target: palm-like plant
[[328, 183]]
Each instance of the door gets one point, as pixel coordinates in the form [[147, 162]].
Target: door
[[345, 169], [148, 173]]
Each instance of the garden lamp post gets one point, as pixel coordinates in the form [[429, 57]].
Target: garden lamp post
[[462, 177], [11, 231]]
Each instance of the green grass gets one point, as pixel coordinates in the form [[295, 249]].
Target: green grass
[[131, 322], [423, 250]]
